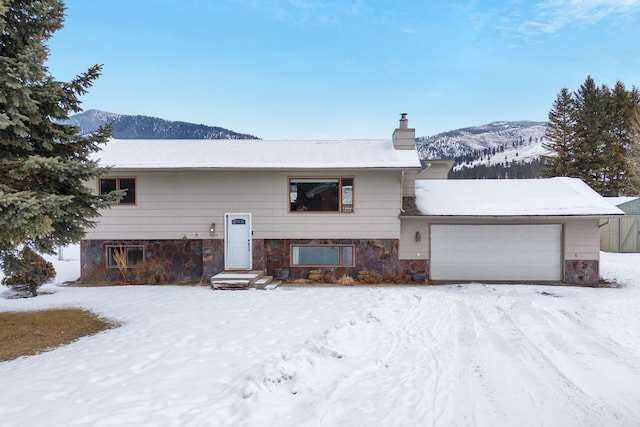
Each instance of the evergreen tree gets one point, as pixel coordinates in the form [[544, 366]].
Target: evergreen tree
[[633, 185], [625, 137], [43, 164], [593, 133], [559, 133], [590, 133], [615, 171]]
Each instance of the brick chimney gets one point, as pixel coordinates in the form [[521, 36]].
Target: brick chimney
[[404, 137]]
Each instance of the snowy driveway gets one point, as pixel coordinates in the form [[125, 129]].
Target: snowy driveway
[[459, 355]]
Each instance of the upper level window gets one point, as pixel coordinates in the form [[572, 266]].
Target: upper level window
[[108, 185], [321, 194]]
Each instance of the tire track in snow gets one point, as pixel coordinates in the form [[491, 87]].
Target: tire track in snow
[[467, 377], [614, 373], [604, 344], [516, 363]]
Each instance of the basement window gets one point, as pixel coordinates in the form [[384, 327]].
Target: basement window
[[134, 255], [108, 185], [322, 255], [321, 195]]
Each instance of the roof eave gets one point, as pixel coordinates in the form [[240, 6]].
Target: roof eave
[[248, 168], [572, 216]]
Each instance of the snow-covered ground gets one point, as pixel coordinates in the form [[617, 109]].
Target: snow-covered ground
[[459, 355]]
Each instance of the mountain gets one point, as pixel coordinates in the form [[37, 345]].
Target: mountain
[[144, 127], [497, 149], [493, 145]]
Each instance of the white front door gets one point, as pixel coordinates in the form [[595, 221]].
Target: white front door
[[237, 241]]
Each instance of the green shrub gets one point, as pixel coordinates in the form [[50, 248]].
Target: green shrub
[[27, 272]]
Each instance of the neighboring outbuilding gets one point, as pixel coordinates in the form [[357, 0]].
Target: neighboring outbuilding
[[196, 208], [622, 234]]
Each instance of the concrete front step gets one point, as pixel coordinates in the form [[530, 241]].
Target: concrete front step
[[242, 280]]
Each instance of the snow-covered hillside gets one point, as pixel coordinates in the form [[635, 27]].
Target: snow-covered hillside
[[489, 144]]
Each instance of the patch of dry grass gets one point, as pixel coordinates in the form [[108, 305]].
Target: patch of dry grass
[[32, 332]]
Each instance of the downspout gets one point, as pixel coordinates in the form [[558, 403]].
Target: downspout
[[402, 192]]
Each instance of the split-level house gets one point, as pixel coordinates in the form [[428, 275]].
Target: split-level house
[[341, 207]]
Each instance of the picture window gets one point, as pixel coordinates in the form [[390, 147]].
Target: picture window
[[321, 195]]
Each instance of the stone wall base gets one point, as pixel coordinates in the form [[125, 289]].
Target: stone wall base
[[195, 261], [582, 272], [379, 256], [175, 261]]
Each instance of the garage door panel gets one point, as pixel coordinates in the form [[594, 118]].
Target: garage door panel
[[496, 252]]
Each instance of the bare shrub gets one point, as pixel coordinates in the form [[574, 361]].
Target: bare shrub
[[346, 281], [120, 257], [329, 277], [153, 272], [404, 278], [388, 277], [372, 278]]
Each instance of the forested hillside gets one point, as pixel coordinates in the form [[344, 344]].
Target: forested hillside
[[145, 127]]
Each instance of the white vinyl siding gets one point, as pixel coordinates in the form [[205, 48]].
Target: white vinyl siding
[[496, 252], [178, 204], [408, 247], [582, 239], [409, 184]]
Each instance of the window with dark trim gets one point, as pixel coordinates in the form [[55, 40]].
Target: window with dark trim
[[134, 255], [321, 195], [322, 255], [107, 185]]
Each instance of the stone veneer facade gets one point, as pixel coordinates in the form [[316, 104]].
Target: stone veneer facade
[[582, 272], [380, 256], [194, 261], [183, 259]]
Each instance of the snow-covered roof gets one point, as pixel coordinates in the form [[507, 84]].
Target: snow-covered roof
[[256, 154], [559, 196], [621, 200]]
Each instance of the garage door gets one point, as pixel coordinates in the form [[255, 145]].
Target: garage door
[[496, 252]]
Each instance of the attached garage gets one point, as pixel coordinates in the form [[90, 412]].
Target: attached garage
[[517, 230], [498, 252]]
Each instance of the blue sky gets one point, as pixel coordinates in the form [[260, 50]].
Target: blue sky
[[311, 69]]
